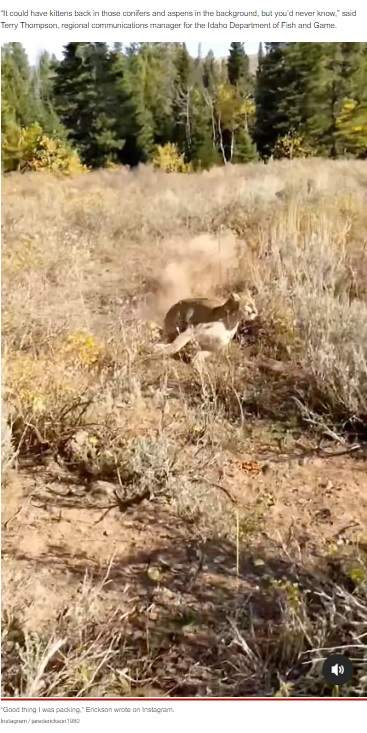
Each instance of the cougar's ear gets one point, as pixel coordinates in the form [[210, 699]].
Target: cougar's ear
[[251, 291], [236, 297]]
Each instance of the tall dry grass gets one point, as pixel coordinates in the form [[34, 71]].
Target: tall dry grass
[[90, 264]]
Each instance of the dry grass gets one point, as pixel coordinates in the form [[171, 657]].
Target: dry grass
[[268, 639], [89, 266]]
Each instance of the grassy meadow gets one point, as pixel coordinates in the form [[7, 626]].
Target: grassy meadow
[[167, 532]]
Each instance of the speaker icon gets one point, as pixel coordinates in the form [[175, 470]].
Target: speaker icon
[[337, 669]]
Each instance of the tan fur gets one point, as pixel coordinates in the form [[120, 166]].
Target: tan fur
[[194, 311], [212, 335], [208, 337], [182, 340]]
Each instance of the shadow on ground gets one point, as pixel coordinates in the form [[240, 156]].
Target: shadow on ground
[[196, 618]]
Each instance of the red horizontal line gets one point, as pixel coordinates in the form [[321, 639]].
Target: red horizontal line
[[45, 700]]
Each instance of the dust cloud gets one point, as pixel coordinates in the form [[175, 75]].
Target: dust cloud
[[201, 266]]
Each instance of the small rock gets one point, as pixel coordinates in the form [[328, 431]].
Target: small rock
[[80, 438], [327, 485], [103, 488], [303, 461], [53, 467]]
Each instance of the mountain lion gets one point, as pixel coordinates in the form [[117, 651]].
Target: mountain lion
[[210, 324], [192, 311]]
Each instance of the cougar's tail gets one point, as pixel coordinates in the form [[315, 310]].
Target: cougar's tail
[[178, 344]]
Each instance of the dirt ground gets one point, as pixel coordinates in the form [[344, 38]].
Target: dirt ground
[[165, 532], [58, 535], [53, 534]]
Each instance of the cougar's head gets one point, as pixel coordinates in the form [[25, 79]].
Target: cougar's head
[[243, 304], [248, 307], [233, 303]]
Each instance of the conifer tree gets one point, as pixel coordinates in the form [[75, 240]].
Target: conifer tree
[[270, 116], [238, 65], [16, 85], [87, 91], [139, 145], [43, 86], [118, 105], [338, 99]]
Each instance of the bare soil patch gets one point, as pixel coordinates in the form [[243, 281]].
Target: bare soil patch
[[166, 532]]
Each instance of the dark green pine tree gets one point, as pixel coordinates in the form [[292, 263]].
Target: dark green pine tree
[[209, 73], [353, 128], [342, 76], [139, 144], [271, 117], [283, 92], [16, 86], [244, 148], [159, 87], [43, 84], [238, 69], [121, 104], [238, 65], [269, 47], [301, 66], [317, 91], [85, 93]]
